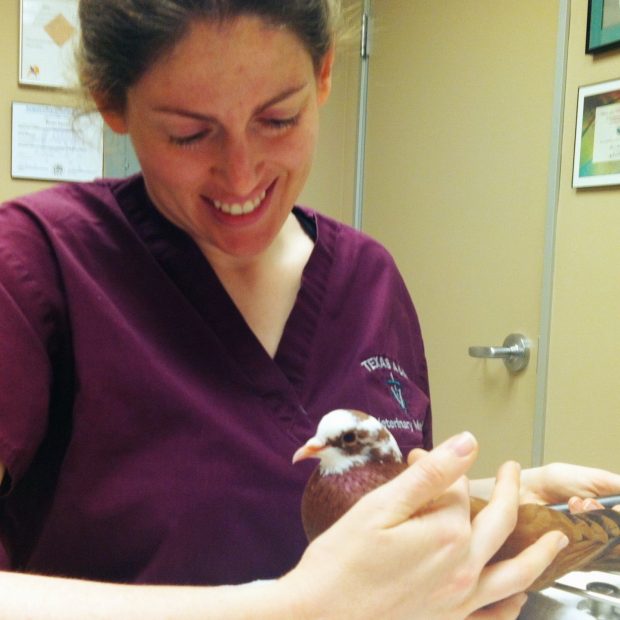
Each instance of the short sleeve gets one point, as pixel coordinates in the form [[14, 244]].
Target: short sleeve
[[29, 311]]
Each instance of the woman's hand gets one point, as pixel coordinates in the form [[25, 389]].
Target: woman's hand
[[559, 482], [579, 504], [409, 550]]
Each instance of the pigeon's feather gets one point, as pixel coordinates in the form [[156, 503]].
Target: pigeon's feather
[[336, 493]]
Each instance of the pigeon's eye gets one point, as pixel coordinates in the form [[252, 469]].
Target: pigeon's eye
[[349, 438]]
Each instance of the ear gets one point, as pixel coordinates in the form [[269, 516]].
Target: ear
[[114, 119], [324, 77]]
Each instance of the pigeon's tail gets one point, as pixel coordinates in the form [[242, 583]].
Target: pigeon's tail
[[609, 558], [594, 539]]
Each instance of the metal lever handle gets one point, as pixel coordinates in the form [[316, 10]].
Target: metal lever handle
[[515, 352], [494, 352]]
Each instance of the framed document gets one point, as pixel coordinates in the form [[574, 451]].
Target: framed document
[[597, 137], [53, 143], [48, 35], [603, 26]]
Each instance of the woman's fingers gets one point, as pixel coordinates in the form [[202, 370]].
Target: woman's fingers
[[499, 516], [415, 455], [554, 482], [580, 504], [434, 561], [517, 574], [508, 609], [428, 478]]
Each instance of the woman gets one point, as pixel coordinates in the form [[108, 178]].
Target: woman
[[169, 340]]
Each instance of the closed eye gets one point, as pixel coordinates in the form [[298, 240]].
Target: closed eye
[[189, 140], [280, 124], [275, 125]]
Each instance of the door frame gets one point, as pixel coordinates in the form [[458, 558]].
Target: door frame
[[553, 192]]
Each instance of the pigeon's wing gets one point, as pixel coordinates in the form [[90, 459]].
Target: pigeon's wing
[[593, 540]]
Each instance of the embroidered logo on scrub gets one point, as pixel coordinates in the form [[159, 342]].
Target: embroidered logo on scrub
[[395, 380], [379, 362], [397, 392]]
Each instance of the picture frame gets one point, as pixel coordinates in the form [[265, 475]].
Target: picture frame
[[48, 34], [597, 135], [55, 143], [603, 31]]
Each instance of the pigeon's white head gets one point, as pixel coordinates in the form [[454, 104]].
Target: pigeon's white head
[[347, 438]]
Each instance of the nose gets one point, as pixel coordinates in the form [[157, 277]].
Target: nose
[[240, 164]]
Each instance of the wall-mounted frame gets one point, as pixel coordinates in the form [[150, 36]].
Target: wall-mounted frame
[[597, 135], [603, 26], [54, 143], [48, 32]]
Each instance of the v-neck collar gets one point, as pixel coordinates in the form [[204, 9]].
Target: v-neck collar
[[184, 263], [295, 347]]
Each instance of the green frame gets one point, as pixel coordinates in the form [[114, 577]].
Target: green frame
[[600, 39]]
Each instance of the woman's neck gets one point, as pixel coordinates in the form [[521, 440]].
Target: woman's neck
[[264, 287]]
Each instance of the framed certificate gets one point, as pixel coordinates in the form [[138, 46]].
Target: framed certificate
[[597, 137], [53, 143], [48, 35]]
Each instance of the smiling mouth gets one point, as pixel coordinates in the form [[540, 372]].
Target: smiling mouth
[[239, 208]]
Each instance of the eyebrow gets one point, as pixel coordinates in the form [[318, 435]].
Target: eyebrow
[[289, 92]]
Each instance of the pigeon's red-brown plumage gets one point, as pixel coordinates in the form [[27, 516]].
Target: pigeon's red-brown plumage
[[328, 497], [357, 454]]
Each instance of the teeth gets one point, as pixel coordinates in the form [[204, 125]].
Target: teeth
[[238, 208]]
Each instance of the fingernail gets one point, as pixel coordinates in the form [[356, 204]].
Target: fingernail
[[463, 444]]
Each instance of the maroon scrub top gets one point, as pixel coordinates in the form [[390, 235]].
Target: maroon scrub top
[[146, 433]]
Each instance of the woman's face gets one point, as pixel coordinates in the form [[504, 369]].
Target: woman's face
[[225, 128]]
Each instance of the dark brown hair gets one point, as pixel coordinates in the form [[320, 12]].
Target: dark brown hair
[[121, 39]]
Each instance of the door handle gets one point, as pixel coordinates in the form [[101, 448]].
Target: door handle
[[515, 352]]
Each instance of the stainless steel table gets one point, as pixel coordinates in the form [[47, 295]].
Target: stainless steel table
[[579, 596]]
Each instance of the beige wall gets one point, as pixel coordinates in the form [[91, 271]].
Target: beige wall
[[330, 188], [583, 404], [331, 185]]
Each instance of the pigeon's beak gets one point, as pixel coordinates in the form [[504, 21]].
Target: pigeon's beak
[[310, 450]]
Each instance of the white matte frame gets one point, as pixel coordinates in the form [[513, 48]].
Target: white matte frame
[[42, 61], [596, 179], [55, 143]]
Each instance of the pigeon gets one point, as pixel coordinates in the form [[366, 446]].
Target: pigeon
[[357, 453]]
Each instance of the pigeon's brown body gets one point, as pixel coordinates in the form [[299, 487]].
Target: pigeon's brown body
[[594, 536], [328, 497]]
